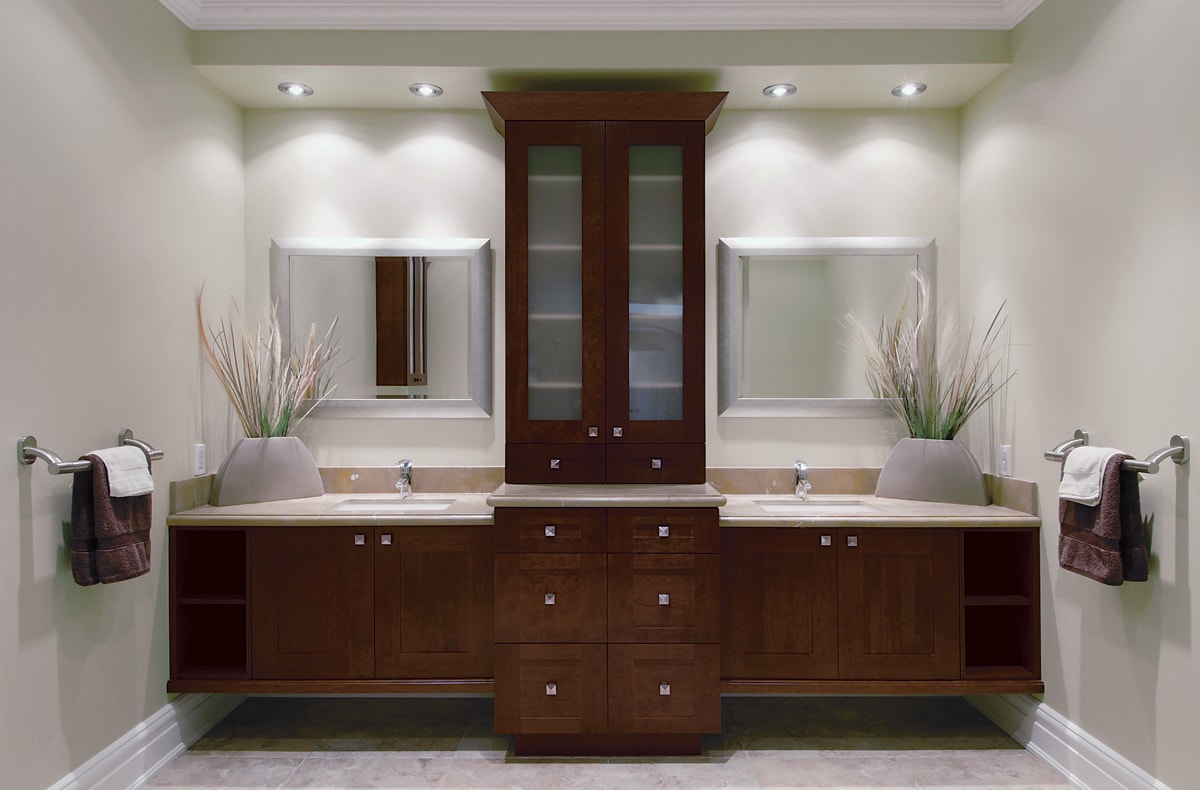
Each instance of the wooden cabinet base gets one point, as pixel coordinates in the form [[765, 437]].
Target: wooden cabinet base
[[606, 745], [883, 687], [230, 686]]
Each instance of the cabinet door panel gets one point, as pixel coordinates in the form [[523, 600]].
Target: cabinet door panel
[[311, 603], [664, 688], [551, 689], [550, 598], [898, 604], [779, 604], [663, 598], [433, 602]]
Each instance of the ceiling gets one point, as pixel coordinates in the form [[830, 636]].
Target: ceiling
[[363, 54]]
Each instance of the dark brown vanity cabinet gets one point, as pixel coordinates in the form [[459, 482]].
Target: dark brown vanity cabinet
[[879, 610], [292, 608], [604, 285], [607, 624]]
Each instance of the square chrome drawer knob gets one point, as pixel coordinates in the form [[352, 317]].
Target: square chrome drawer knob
[[551, 689], [827, 540], [360, 539], [664, 599], [664, 689], [852, 540], [618, 432], [555, 463], [550, 530], [664, 531], [385, 539], [593, 431], [549, 599], [656, 463]]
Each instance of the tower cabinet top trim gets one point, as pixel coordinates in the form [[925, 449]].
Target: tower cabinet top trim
[[505, 106]]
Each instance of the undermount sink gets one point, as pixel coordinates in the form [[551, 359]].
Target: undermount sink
[[816, 507], [391, 505]]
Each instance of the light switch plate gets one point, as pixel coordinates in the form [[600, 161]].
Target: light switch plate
[[1006, 460], [199, 459]]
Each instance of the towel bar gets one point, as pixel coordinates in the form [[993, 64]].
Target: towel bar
[[28, 452], [1179, 451]]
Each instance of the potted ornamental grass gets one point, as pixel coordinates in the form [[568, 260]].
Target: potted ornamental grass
[[933, 381], [271, 394]]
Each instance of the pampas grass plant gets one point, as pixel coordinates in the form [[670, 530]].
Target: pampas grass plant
[[270, 395], [933, 381]]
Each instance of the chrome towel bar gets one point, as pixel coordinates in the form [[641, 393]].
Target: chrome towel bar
[[28, 452], [1179, 451]]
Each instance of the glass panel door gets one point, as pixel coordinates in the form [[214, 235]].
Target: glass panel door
[[655, 282]]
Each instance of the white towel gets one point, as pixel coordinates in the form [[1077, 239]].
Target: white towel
[[128, 471], [1083, 474]]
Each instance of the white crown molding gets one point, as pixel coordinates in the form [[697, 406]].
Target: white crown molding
[[598, 14]]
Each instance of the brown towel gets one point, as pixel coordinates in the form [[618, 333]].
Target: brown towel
[[1107, 542], [110, 536]]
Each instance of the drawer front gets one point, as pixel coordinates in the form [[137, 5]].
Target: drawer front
[[664, 688], [663, 530], [550, 529], [550, 598], [664, 598], [554, 463], [551, 689], [655, 463]]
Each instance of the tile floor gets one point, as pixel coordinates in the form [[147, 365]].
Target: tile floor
[[793, 742]]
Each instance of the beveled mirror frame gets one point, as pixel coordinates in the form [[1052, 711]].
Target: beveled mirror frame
[[731, 255], [479, 319]]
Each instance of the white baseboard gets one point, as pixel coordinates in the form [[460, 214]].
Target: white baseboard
[[1083, 759], [135, 756]]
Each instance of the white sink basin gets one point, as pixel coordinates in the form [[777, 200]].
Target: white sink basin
[[391, 505], [816, 507]]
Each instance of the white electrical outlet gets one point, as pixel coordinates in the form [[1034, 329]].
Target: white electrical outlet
[[199, 462], [1006, 460]]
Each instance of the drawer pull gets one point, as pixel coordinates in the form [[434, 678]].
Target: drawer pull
[[852, 540], [360, 539], [664, 531], [593, 431], [618, 432], [656, 463], [551, 689], [550, 530], [549, 599], [827, 540], [555, 463], [664, 689], [664, 599], [385, 539]]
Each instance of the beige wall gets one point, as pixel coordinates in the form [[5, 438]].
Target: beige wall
[[1080, 204], [384, 173], [121, 189]]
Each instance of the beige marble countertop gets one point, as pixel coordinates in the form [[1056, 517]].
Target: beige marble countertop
[[466, 510], [852, 510], [606, 495]]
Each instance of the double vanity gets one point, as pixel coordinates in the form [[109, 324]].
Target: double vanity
[[605, 618]]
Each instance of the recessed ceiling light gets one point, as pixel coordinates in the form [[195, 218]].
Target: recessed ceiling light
[[295, 89], [908, 89], [425, 89], [779, 90]]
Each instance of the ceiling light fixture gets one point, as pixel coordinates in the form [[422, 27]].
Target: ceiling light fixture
[[425, 89], [295, 89], [909, 89], [779, 90]]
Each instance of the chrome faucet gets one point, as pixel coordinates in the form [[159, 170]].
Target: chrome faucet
[[802, 484], [404, 484]]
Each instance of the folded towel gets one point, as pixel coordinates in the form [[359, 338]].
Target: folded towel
[[128, 471], [1083, 472], [110, 536], [1106, 542]]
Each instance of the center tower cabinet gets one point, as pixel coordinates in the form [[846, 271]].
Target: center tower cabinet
[[607, 596]]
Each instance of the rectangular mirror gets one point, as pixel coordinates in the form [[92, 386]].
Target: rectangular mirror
[[414, 318], [783, 346]]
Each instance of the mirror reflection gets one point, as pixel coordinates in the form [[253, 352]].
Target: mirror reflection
[[783, 346], [414, 318]]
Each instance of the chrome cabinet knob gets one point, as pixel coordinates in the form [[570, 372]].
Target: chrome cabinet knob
[[656, 463], [555, 463], [360, 539], [827, 540], [664, 599], [593, 431], [852, 540], [664, 689], [664, 531], [551, 689], [385, 539], [618, 431], [549, 599], [550, 530]]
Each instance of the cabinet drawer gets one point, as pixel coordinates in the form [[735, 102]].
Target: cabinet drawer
[[555, 463], [663, 530], [550, 598], [664, 688], [551, 689], [655, 463], [663, 598], [550, 529]]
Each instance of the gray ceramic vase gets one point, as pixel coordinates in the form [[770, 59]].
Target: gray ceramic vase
[[932, 470], [265, 470]]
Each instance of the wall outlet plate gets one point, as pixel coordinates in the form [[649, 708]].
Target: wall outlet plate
[[1006, 460], [199, 459]]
